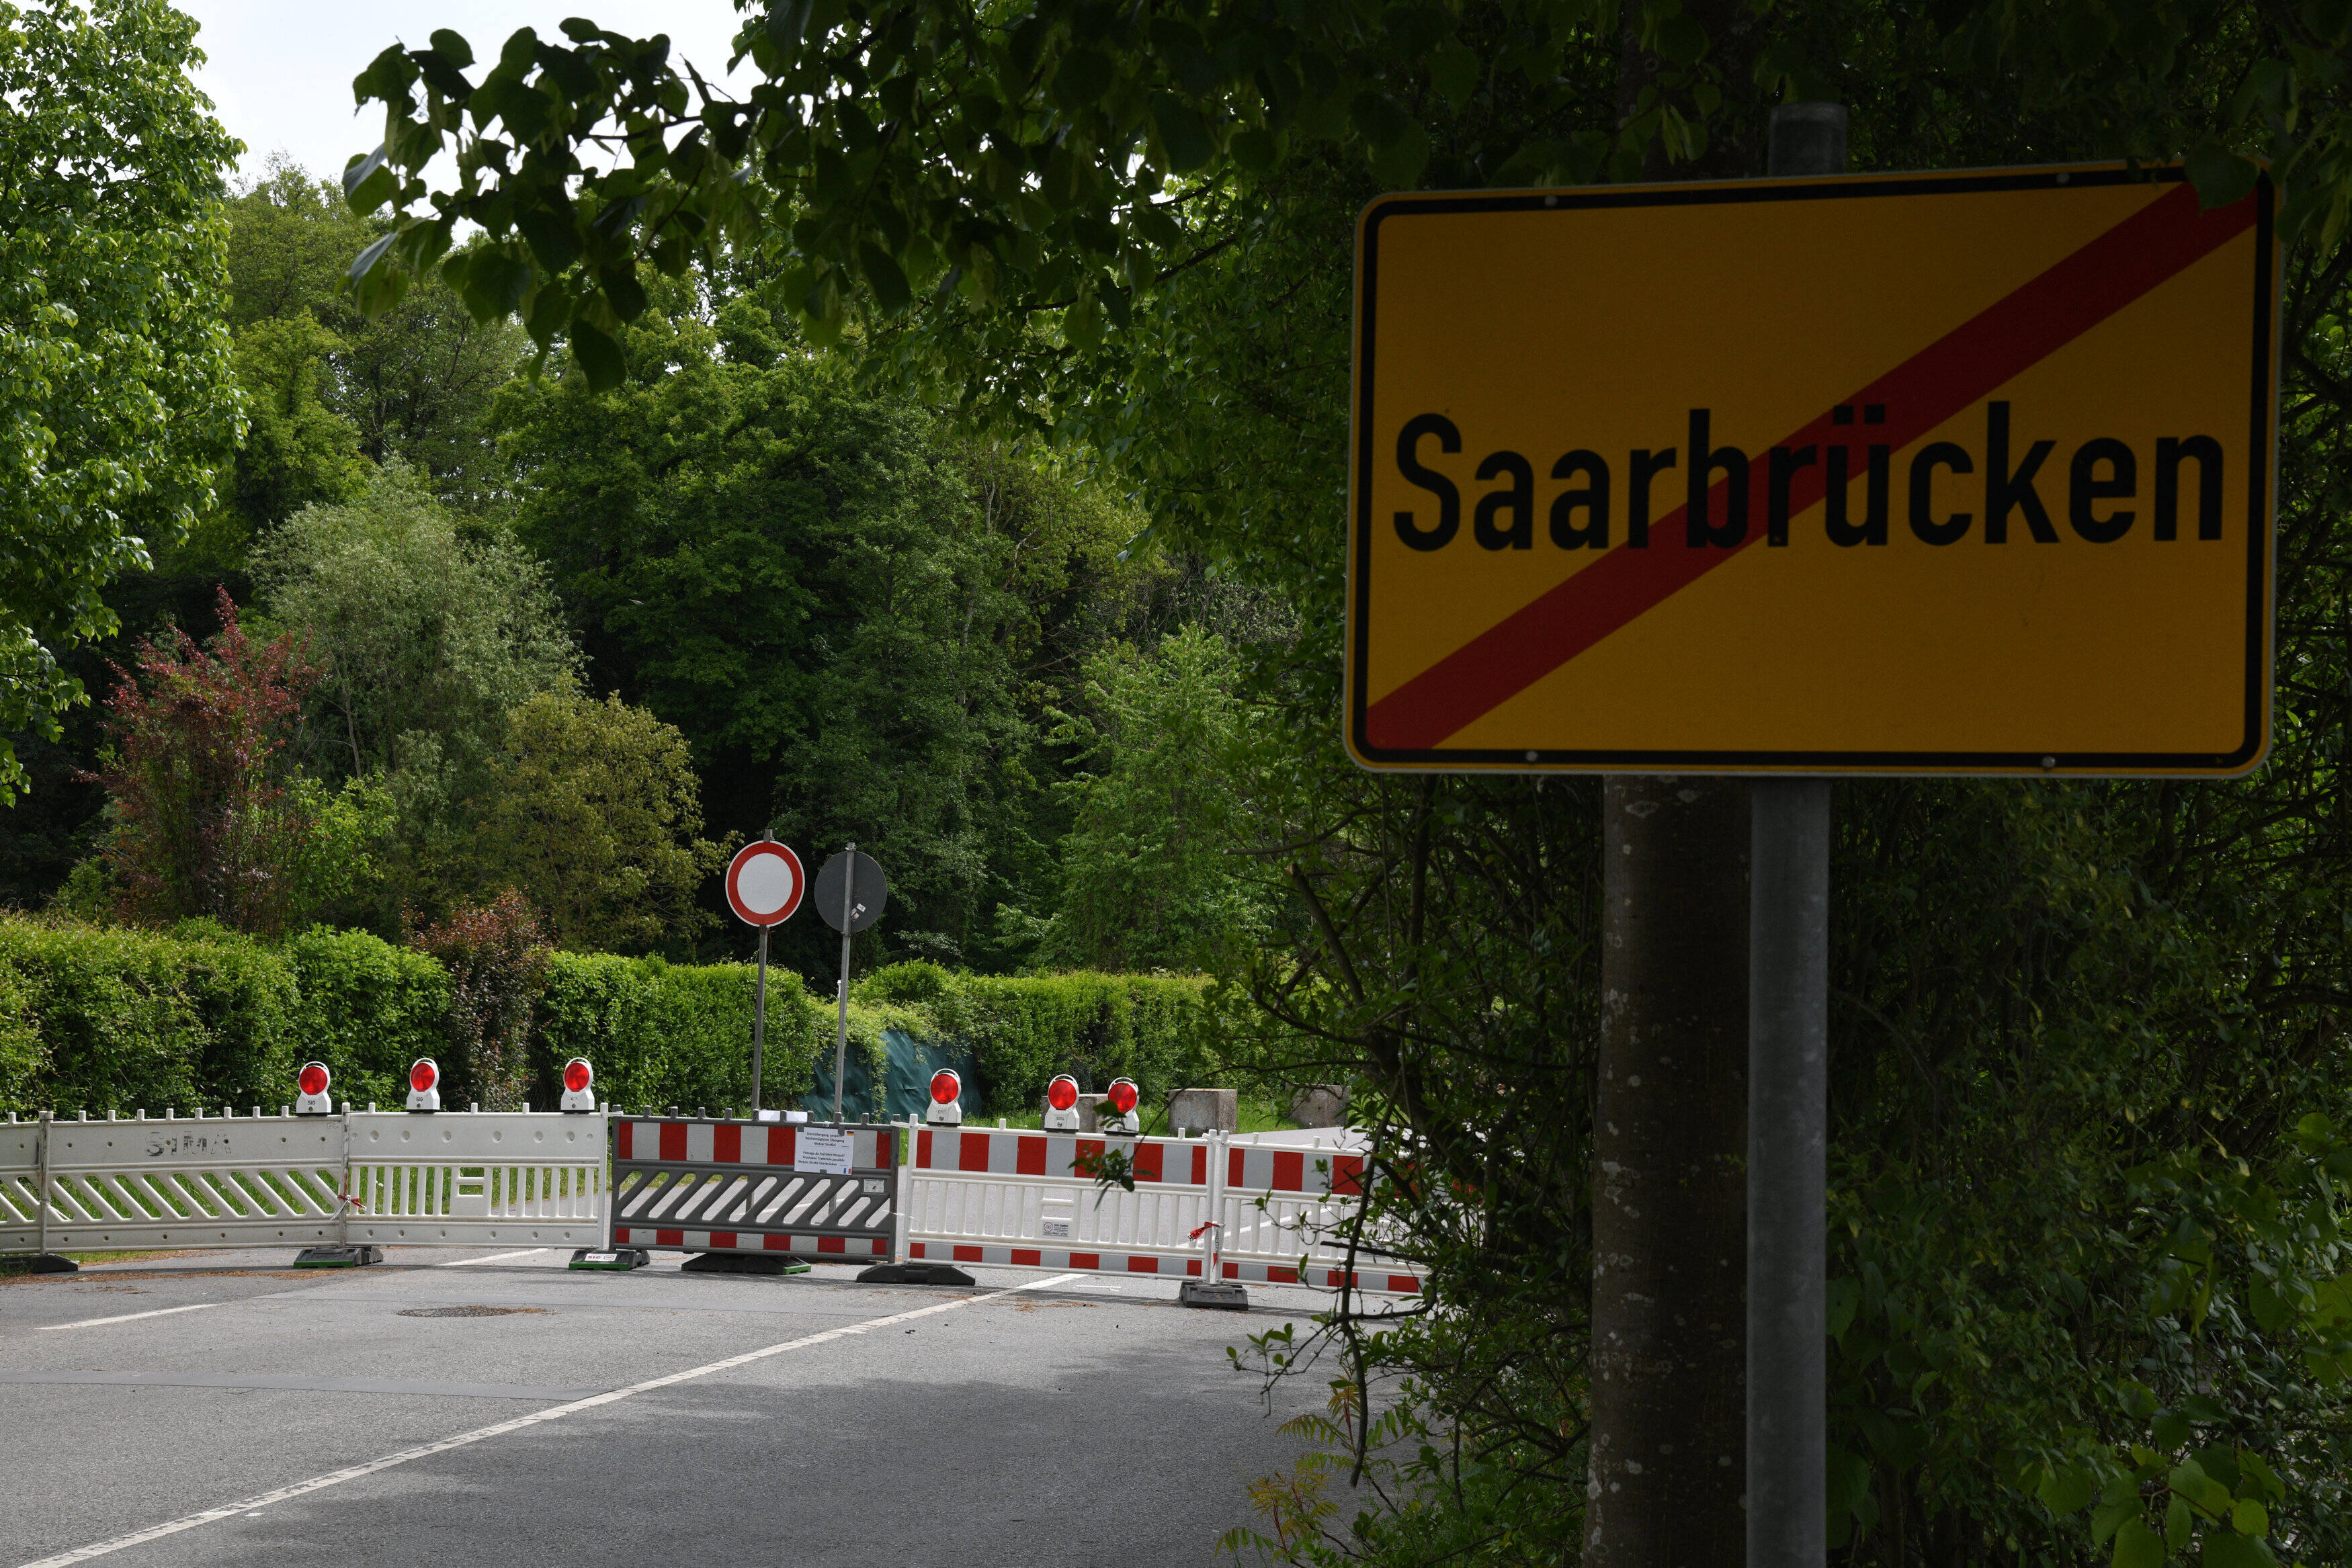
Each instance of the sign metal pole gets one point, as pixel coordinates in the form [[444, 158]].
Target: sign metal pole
[[759, 1024], [1788, 1093], [841, 1027]]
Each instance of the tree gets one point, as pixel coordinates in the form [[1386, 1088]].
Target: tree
[[205, 821], [298, 451], [592, 813], [428, 639], [854, 618], [117, 397], [498, 960], [414, 386], [1148, 865]]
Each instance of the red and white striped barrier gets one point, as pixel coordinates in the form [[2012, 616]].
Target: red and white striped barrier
[[1201, 1208], [1021, 1200], [1285, 1217], [699, 1186]]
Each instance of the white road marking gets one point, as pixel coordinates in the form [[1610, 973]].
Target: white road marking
[[493, 1258], [553, 1413], [129, 1317]]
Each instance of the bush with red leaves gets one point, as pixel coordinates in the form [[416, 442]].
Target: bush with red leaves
[[497, 958], [205, 822]]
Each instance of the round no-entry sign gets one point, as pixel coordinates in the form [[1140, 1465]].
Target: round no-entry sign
[[765, 884]]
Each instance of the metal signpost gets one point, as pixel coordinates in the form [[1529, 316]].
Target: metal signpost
[[850, 893], [764, 884], [1806, 476]]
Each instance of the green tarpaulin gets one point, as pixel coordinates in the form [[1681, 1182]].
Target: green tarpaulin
[[906, 1080]]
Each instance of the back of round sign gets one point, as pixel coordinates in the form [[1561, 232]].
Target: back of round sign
[[868, 891]]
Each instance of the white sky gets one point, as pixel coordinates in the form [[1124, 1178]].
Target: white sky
[[280, 71]]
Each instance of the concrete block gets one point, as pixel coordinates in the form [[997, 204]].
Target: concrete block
[[1319, 1105], [1204, 1110]]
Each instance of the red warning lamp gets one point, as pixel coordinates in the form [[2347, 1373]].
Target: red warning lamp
[[578, 1078], [1122, 1096], [947, 1090], [1062, 1104], [425, 1085], [312, 1081]]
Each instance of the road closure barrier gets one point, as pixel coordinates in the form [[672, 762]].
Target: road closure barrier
[[810, 1191], [357, 1179], [1287, 1214], [1212, 1209]]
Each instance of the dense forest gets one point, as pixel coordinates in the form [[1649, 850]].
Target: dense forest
[[943, 448]]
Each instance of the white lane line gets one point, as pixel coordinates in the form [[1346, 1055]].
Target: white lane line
[[494, 1258], [131, 1317], [553, 1413]]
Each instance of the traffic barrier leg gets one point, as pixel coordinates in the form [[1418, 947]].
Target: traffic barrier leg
[[1212, 1290]]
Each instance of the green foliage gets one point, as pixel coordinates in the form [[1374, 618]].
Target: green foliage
[[128, 1018], [297, 449], [593, 810], [854, 621], [411, 386], [497, 958], [117, 398], [938, 159], [23, 1061], [1147, 877], [428, 639], [367, 1009], [1024, 1030], [98, 1018], [664, 1034]]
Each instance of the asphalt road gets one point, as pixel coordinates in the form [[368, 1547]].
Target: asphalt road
[[804, 1419]]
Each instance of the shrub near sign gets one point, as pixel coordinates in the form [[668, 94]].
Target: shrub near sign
[[1941, 473]]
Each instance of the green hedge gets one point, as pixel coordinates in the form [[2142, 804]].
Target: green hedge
[[367, 1009], [124, 1019], [671, 1034], [1023, 1029], [103, 1019]]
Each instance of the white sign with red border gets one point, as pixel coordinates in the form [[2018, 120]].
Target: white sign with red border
[[765, 884]]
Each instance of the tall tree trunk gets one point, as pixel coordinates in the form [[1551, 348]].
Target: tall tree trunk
[[1669, 1202]]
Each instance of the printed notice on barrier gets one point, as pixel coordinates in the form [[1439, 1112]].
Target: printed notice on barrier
[[822, 1150]]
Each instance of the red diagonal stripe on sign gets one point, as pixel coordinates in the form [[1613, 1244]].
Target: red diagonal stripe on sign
[[1999, 342]]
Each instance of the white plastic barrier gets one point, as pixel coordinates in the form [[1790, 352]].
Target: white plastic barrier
[[1287, 1208], [455, 1179], [1020, 1200], [465, 1179]]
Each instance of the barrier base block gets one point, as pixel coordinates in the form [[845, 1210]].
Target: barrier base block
[[338, 1257], [39, 1263], [1223, 1293], [621, 1257], [740, 1263], [914, 1274]]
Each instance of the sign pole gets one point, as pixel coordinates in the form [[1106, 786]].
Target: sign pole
[[758, 1023], [1788, 1093], [841, 1026]]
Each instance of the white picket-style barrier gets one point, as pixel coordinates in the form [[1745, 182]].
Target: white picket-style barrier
[[449, 1179]]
